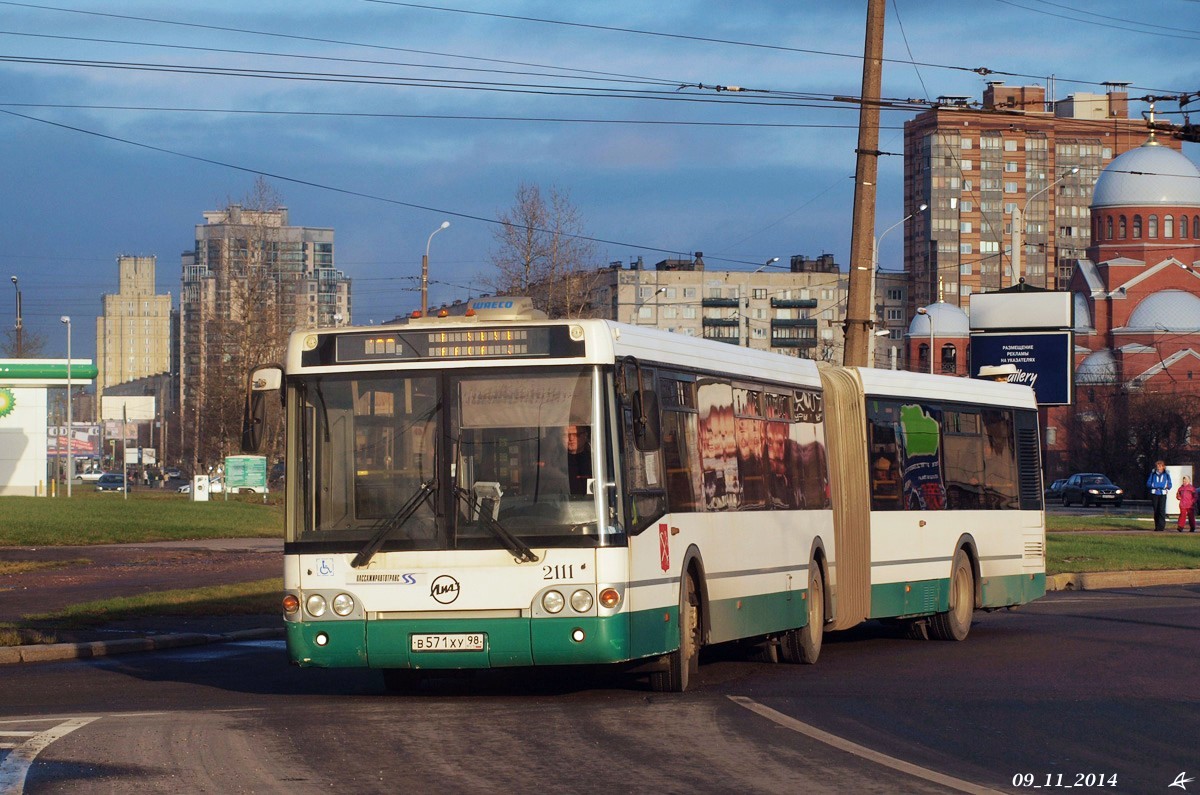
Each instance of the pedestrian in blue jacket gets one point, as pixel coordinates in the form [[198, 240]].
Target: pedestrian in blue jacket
[[1159, 484]]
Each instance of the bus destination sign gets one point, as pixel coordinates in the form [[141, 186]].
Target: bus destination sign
[[458, 343]]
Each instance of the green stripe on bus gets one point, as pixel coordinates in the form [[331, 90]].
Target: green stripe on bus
[[748, 616], [1014, 589], [925, 597]]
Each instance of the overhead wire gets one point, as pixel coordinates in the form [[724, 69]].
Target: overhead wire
[[334, 188], [429, 116], [1124, 26], [981, 70]]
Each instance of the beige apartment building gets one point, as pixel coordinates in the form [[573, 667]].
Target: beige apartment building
[[1018, 154], [133, 332], [796, 309]]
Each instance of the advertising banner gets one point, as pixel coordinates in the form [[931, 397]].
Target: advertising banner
[[1044, 361], [85, 441]]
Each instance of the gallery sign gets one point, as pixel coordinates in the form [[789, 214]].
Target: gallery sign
[[1044, 360]]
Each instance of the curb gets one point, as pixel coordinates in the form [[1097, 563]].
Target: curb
[[77, 651], [1099, 580]]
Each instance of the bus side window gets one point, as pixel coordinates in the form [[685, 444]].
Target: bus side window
[[644, 481]]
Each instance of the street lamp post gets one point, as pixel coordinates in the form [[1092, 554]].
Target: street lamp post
[[875, 243], [425, 270], [20, 349], [924, 310], [70, 428], [1018, 223]]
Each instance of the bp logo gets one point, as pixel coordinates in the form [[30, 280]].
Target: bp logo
[[7, 402]]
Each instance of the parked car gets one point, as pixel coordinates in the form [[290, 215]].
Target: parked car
[[1054, 491], [1091, 488], [173, 473], [111, 481], [89, 475]]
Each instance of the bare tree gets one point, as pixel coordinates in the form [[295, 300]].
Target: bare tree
[[1121, 431], [33, 344], [542, 252]]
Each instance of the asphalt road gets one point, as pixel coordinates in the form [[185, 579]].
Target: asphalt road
[[1077, 684]]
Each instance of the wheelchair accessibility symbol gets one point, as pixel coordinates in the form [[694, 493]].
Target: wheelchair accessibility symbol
[[325, 567]]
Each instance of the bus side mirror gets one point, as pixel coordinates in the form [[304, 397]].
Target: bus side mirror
[[646, 429], [262, 381]]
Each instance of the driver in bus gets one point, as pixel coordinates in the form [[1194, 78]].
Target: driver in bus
[[579, 458]]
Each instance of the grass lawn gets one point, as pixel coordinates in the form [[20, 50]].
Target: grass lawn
[[1080, 552], [1069, 523], [90, 517]]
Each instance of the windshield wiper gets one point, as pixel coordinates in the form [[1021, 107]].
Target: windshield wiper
[[392, 524], [516, 546]]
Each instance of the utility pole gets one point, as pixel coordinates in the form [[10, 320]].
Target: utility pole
[[860, 302]]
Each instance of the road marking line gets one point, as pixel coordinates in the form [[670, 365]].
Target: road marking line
[[860, 750], [12, 743], [15, 766]]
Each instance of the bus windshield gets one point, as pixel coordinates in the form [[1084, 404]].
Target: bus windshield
[[455, 460]]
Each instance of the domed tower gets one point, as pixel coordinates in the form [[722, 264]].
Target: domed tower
[[1145, 241], [1146, 206], [943, 329], [1136, 296]]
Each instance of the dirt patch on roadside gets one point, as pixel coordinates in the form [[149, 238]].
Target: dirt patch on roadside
[[123, 571]]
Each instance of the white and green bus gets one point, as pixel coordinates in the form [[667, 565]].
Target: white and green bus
[[499, 489]]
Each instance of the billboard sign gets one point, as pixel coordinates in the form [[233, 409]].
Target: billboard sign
[[1041, 310], [84, 441], [246, 471], [1044, 361]]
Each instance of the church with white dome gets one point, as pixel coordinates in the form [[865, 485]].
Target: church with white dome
[[1137, 294]]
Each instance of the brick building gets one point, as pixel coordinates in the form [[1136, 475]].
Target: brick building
[[977, 166]]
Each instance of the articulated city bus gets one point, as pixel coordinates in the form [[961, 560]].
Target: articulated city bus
[[504, 490]]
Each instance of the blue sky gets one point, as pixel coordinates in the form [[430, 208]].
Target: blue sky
[[149, 126]]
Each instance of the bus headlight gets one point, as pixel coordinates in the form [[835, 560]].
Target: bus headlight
[[343, 604], [316, 605], [581, 601], [553, 602]]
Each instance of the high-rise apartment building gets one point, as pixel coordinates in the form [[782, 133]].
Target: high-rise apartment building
[[976, 167], [133, 332], [250, 280]]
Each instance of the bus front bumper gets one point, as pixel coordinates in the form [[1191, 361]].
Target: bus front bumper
[[440, 644]]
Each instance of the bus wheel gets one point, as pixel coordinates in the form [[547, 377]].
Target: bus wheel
[[955, 623], [401, 680], [684, 661], [803, 645]]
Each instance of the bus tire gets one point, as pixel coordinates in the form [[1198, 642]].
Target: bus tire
[[955, 623], [803, 645], [684, 661]]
